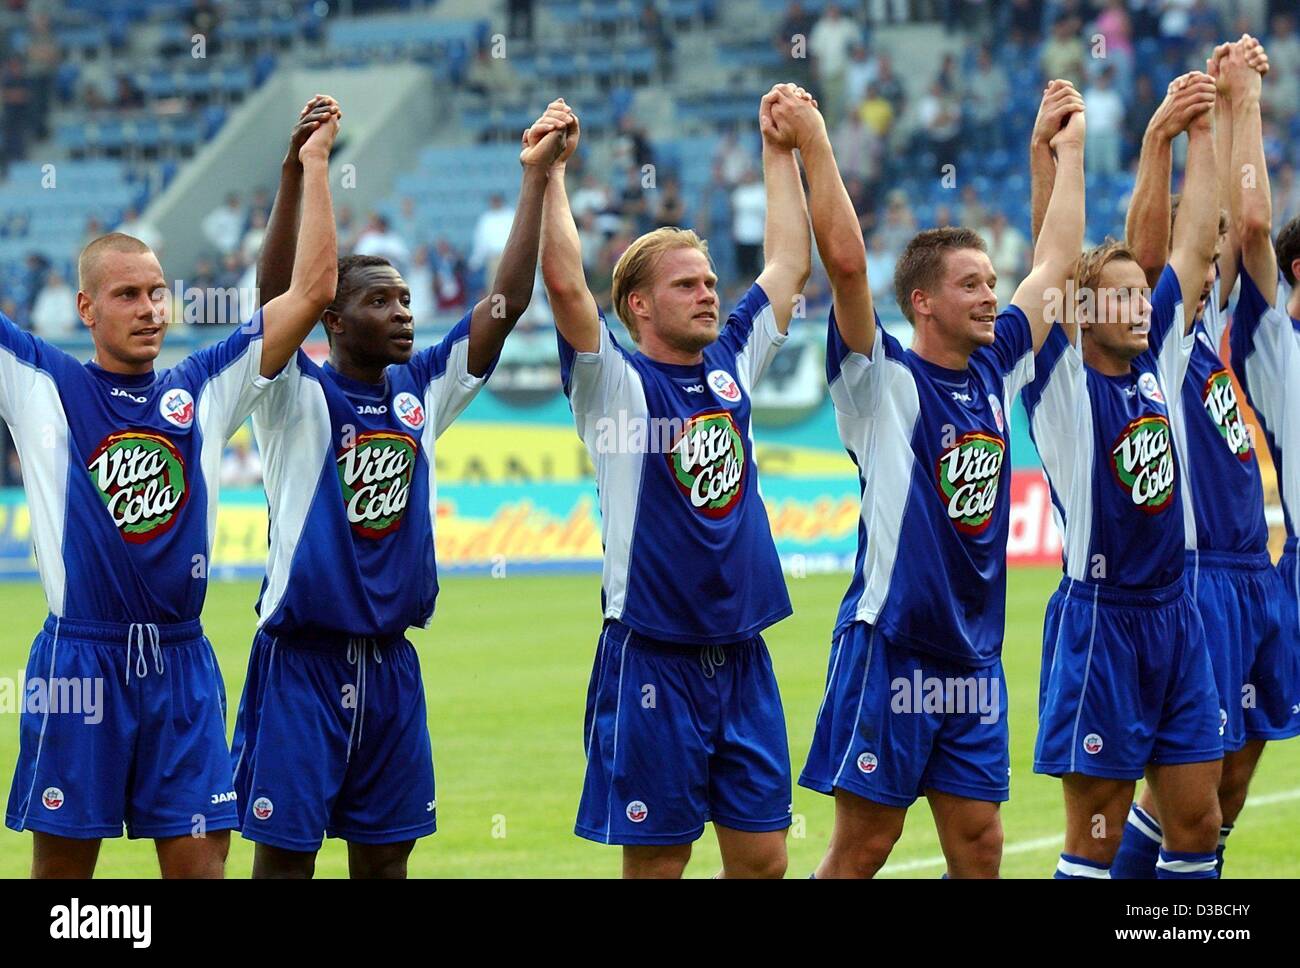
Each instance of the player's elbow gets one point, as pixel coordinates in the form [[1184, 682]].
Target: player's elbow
[[847, 269], [561, 285], [318, 290], [1254, 225]]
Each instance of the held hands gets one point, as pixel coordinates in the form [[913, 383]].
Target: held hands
[[1060, 102], [317, 127], [1239, 68], [1188, 104], [543, 143], [788, 118], [1071, 134], [557, 119]]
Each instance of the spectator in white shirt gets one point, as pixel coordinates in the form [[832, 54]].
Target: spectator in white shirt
[[490, 237], [1009, 252], [832, 37], [224, 225], [1105, 125], [748, 221], [54, 314], [135, 226], [379, 239]]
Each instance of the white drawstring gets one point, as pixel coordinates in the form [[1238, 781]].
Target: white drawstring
[[712, 658], [357, 656], [135, 639]]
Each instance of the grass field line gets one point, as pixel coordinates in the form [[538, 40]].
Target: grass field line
[[1054, 840]]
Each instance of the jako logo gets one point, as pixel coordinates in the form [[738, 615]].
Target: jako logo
[[636, 811], [694, 388], [119, 392], [229, 797], [1092, 744], [867, 762], [73, 922], [263, 808]]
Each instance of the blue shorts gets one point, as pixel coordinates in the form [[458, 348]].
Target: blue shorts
[[332, 739], [134, 733], [1126, 681], [1250, 628], [896, 723], [679, 735]]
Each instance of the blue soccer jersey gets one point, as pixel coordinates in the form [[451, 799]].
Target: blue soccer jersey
[[349, 472], [930, 445], [122, 472], [1108, 450], [1222, 497], [689, 555], [1265, 345]]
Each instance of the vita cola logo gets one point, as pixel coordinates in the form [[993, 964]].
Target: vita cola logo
[[708, 463], [1143, 462], [375, 474], [1220, 401], [969, 473], [141, 477]]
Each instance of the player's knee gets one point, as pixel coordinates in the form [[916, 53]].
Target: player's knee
[[977, 852], [666, 863], [1232, 789], [271, 863], [764, 865], [864, 856], [1195, 827], [204, 860], [383, 862]]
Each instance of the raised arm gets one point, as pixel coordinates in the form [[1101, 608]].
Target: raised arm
[[512, 289], [1250, 198], [1196, 230], [787, 256], [835, 224], [1057, 103], [1146, 230], [289, 317], [572, 303], [275, 262], [1040, 296]]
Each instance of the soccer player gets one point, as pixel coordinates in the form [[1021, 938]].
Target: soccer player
[[1239, 594], [1126, 683], [120, 463], [684, 723], [915, 698], [332, 735]]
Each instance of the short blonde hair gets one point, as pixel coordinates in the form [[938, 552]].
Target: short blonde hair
[[1089, 266], [88, 262], [636, 266]]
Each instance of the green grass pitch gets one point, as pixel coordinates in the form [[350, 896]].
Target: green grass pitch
[[505, 667]]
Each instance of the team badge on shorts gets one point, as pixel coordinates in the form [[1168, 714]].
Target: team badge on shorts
[[1092, 744], [868, 762], [409, 410], [263, 808], [724, 386], [52, 798], [637, 811], [1149, 387], [177, 407]]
